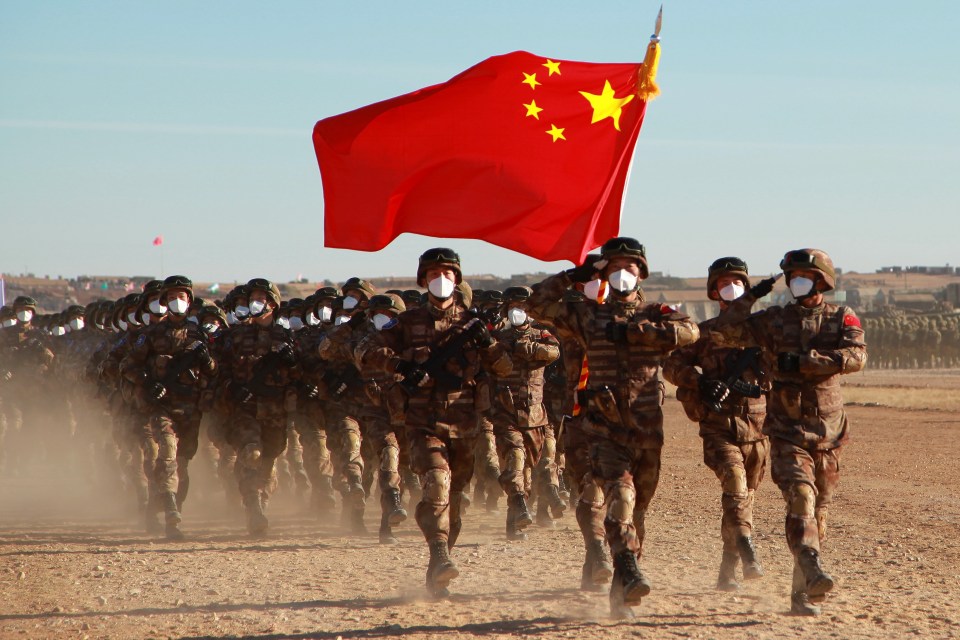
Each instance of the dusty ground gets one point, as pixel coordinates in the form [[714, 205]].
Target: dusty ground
[[72, 569]]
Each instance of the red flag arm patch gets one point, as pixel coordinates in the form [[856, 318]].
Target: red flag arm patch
[[851, 321]]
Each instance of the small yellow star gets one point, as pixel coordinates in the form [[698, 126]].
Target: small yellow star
[[556, 133], [533, 109], [553, 67], [606, 105], [530, 79]]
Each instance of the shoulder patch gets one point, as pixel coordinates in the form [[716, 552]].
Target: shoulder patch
[[390, 324], [666, 309], [851, 321], [141, 340]]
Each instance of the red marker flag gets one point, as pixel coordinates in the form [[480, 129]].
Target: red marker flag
[[525, 152], [158, 241]]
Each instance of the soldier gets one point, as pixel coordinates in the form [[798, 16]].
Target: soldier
[[258, 384], [168, 363], [441, 351], [520, 419], [486, 464], [807, 345], [722, 389], [625, 342]]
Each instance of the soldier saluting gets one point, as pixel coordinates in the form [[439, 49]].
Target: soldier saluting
[[807, 344], [441, 352]]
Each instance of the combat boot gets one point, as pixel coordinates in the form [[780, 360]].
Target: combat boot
[[518, 517], [441, 570], [152, 516], [386, 532], [727, 579], [557, 504], [493, 498], [257, 522], [411, 485], [169, 505], [629, 585], [800, 605], [543, 514], [748, 554], [563, 490], [321, 497], [354, 502], [393, 508], [597, 568], [819, 582]]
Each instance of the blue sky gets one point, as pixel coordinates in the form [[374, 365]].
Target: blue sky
[[781, 125]]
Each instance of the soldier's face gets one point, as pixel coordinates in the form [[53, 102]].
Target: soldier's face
[[622, 262], [435, 272]]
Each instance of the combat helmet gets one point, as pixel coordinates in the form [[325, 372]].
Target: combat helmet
[[387, 302], [438, 257], [730, 265], [182, 283], [810, 260], [262, 284], [624, 247]]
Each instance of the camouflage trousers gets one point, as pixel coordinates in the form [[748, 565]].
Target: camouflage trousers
[[343, 436], [216, 425], [444, 464], [629, 478], [519, 449], [486, 463], [259, 437], [177, 433], [138, 451], [589, 510], [388, 451], [311, 425], [807, 478], [740, 467]]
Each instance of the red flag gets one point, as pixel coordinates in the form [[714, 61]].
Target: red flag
[[158, 241], [525, 152]]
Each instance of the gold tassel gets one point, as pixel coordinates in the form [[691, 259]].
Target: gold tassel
[[647, 88]]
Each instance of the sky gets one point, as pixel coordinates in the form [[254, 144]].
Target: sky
[[781, 125]]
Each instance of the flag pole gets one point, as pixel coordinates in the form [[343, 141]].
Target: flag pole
[[647, 88]]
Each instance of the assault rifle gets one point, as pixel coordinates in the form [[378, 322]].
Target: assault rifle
[[736, 365], [440, 354], [268, 364], [183, 362]]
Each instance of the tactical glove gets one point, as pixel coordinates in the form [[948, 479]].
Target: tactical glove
[[156, 391], [309, 391], [764, 287], [788, 362], [357, 319], [713, 391], [240, 393], [480, 334], [335, 384], [287, 357], [617, 332], [583, 273]]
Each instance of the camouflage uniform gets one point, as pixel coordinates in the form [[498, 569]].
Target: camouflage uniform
[[624, 342], [806, 348]]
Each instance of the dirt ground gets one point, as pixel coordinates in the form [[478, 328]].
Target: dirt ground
[[72, 567]]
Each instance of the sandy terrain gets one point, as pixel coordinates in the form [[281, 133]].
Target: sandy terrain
[[73, 568]]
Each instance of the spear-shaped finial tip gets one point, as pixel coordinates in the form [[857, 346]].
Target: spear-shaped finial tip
[[656, 29]]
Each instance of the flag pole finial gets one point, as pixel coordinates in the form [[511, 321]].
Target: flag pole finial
[[647, 88]]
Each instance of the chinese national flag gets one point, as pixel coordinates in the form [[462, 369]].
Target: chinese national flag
[[158, 241], [528, 153]]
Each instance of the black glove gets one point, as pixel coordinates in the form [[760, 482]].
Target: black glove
[[764, 287], [287, 357], [309, 391], [6, 376], [617, 332], [335, 384], [713, 391], [357, 319], [156, 391], [240, 393], [788, 362], [201, 352], [480, 334], [583, 273], [416, 377]]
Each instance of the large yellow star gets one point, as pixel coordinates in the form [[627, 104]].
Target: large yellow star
[[553, 67], [556, 133], [530, 79], [606, 105], [533, 109]]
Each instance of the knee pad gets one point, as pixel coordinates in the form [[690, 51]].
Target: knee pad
[[590, 492], [436, 487], [801, 500], [351, 444], [389, 459], [549, 451], [734, 482], [249, 456], [513, 461], [620, 502]]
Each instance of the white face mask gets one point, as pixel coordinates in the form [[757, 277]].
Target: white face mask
[[312, 319], [380, 320], [122, 324], [145, 318], [231, 318], [592, 289], [283, 322], [76, 324], [58, 331], [156, 307], [178, 306], [517, 317], [441, 287], [801, 287], [9, 322], [622, 281], [296, 324], [341, 320], [132, 318], [241, 311], [257, 307], [193, 320], [731, 292], [24, 315], [350, 303], [210, 327], [326, 314]]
